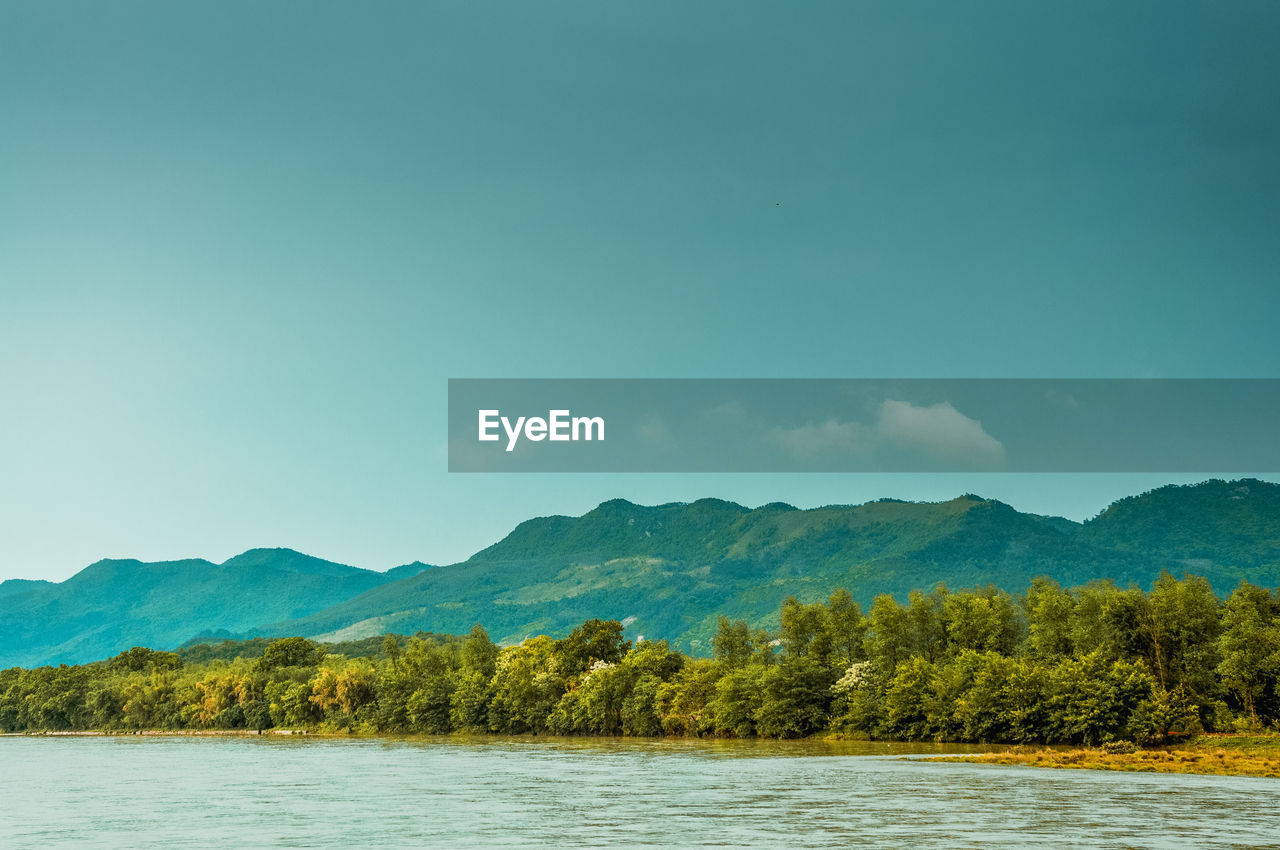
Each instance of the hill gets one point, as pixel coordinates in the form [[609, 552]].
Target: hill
[[670, 570], [666, 571], [112, 605], [1231, 529]]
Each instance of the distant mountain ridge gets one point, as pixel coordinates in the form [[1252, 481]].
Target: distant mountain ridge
[[668, 571], [117, 603]]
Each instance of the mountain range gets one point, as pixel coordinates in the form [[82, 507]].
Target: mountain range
[[666, 571], [112, 605]]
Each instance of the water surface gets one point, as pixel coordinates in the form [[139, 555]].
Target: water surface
[[503, 792]]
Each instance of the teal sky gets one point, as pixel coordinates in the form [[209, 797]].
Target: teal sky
[[243, 245]]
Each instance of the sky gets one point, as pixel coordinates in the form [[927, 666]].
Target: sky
[[244, 245]]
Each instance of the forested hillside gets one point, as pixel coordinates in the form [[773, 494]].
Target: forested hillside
[[114, 604], [669, 571], [1085, 666], [665, 572]]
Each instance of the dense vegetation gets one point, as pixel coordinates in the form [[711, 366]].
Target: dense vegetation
[[672, 570], [667, 570], [1087, 665]]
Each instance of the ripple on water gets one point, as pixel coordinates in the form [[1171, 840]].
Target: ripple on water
[[221, 792]]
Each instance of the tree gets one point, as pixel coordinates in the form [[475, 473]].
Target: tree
[[847, 629], [986, 621], [684, 701], [430, 706], [640, 716], [1049, 610], [479, 653], [1005, 700], [926, 614], [806, 631], [527, 685], [889, 636], [143, 660], [291, 652], [737, 699], [595, 707], [1185, 625], [291, 705], [732, 642], [906, 698], [341, 693], [469, 705], [795, 699], [858, 699], [1250, 646], [594, 640], [391, 649], [1091, 699], [148, 700]]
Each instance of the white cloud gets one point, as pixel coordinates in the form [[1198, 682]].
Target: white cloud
[[936, 433], [826, 439], [940, 431]]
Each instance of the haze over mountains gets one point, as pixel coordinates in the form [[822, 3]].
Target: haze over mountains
[[112, 605], [666, 571]]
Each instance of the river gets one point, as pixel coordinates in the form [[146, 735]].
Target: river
[[164, 792]]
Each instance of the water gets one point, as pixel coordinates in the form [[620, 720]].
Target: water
[[258, 792]]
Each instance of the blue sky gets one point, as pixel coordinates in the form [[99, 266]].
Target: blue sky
[[243, 245]]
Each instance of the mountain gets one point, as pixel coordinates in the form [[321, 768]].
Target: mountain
[[112, 605], [670, 570], [666, 571], [1230, 528]]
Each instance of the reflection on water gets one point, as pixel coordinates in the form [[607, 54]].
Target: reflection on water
[[253, 792]]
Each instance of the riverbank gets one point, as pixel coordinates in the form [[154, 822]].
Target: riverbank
[[1221, 755]]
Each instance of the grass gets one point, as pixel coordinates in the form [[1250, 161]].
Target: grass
[[1222, 755]]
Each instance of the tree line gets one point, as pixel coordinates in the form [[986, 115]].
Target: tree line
[[1086, 665]]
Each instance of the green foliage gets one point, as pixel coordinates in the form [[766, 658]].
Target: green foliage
[[526, 687], [1164, 717], [143, 660], [593, 641], [640, 717], [684, 701], [292, 652], [717, 559], [1234, 523], [732, 643], [115, 604], [1184, 624], [737, 700], [795, 698], [986, 621], [479, 653], [672, 570], [1049, 609], [847, 630], [290, 704], [469, 703], [1250, 649], [1091, 699], [1084, 666], [1006, 699]]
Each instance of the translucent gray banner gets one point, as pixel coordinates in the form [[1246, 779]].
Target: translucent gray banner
[[864, 425]]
